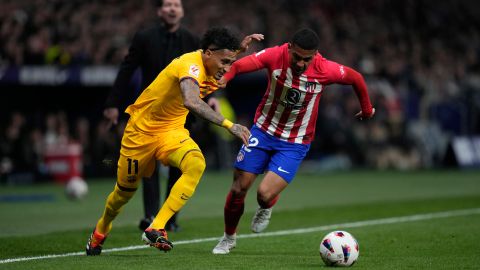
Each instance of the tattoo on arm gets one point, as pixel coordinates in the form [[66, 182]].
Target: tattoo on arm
[[193, 102]]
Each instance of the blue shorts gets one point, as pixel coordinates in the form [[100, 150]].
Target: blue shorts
[[267, 153]]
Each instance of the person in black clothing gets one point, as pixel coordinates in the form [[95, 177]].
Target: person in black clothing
[[152, 49]]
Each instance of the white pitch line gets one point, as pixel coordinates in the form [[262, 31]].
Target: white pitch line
[[383, 221]]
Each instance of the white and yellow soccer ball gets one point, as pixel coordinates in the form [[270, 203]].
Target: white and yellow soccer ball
[[339, 248], [76, 188]]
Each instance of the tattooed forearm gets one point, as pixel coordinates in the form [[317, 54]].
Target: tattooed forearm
[[192, 101]]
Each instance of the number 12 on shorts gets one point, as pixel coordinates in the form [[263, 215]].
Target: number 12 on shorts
[[252, 142]]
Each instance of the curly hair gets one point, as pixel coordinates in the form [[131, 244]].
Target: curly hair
[[218, 38], [306, 39]]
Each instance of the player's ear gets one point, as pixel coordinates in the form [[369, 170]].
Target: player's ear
[[207, 52]]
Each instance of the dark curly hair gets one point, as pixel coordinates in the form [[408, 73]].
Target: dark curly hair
[[306, 39], [218, 38]]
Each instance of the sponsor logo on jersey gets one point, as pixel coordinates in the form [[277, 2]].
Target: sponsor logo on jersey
[[293, 96], [194, 70], [292, 99], [282, 170]]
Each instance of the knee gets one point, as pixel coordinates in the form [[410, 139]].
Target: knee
[[193, 164], [116, 200], [123, 196], [265, 195], [240, 184], [238, 190]]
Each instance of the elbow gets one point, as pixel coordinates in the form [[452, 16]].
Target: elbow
[[356, 76], [352, 76]]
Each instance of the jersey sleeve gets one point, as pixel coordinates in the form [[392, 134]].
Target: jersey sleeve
[[253, 62], [266, 57], [341, 74], [188, 70], [334, 72]]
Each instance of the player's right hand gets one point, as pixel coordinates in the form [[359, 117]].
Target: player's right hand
[[241, 132], [112, 115], [362, 116]]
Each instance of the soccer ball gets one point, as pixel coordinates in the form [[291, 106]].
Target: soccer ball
[[76, 188], [339, 248]]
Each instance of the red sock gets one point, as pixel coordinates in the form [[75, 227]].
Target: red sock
[[233, 211], [270, 204]]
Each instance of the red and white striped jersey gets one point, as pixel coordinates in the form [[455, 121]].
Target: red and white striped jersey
[[289, 108]]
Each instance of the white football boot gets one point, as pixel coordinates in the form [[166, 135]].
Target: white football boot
[[226, 243], [261, 219]]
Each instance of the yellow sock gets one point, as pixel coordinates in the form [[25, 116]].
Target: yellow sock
[[115, 201], [192, 167]]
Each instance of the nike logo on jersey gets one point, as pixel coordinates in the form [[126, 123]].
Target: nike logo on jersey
[[282, 170]]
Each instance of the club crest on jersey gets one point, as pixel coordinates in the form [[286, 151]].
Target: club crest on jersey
[[310, 86], [194, 70], [240, 156]]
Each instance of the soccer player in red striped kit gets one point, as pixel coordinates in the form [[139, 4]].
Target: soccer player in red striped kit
[[284, 124]]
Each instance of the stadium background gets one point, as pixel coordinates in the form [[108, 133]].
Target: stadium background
[[408, 189], [420, 59]]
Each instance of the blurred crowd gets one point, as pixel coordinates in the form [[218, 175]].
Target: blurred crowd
[[38, 32], [27, 140], [421, 61], [29, 143]]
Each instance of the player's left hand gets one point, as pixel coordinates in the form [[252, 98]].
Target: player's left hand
[[247, 40], [362, 116]]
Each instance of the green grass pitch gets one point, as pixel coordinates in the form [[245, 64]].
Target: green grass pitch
[[402, 220]]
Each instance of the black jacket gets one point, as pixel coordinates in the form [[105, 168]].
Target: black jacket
[[150, 50]]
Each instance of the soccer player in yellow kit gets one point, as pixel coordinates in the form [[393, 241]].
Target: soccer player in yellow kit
[[155, 131]]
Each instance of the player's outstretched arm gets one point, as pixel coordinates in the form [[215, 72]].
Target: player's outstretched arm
[[193, 102], [357, 81], [244, 65]]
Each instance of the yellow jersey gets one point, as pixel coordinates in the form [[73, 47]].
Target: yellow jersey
[[160, 106]]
